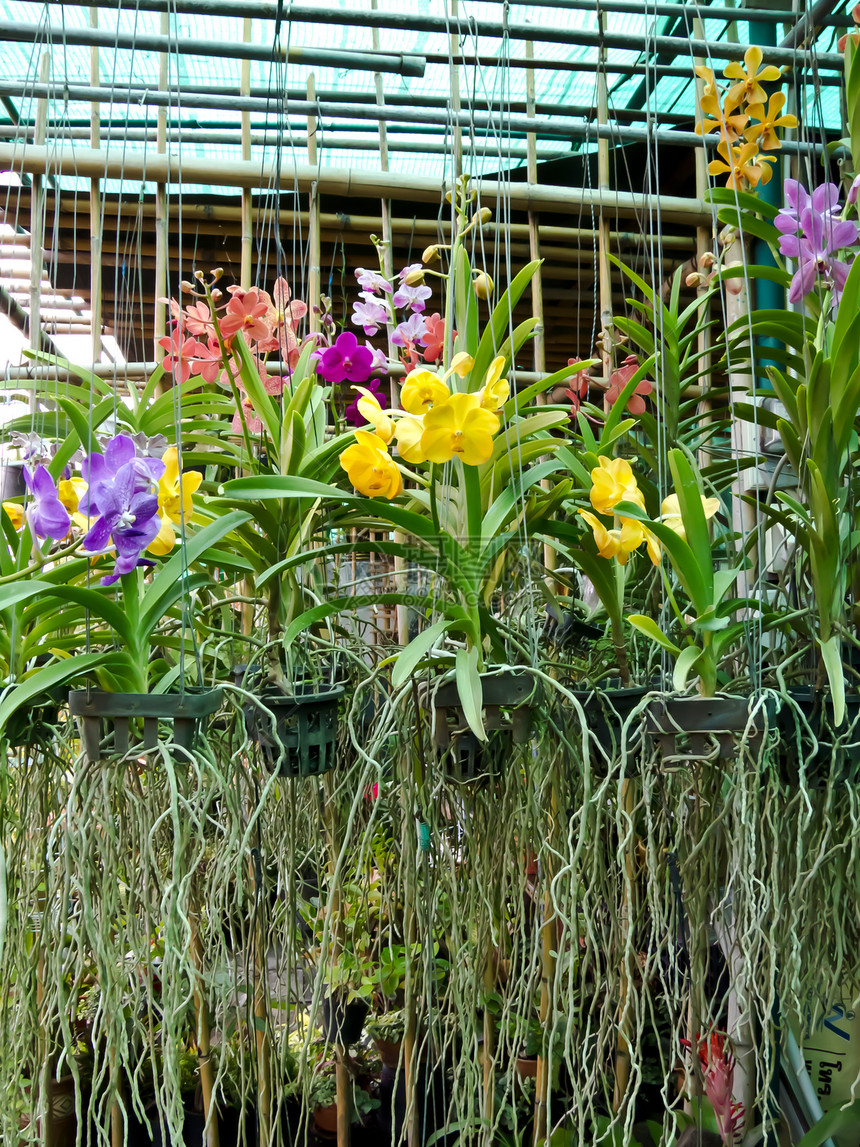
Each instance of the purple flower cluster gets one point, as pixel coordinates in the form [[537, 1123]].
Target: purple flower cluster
[[122, 498], [379, 300], [813, 231], [46, 514]]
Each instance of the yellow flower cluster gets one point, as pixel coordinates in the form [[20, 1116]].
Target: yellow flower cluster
[[174, 500], [746, 120], [435, 425], [613, 482]]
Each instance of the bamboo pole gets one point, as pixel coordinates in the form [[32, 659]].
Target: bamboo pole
[[247, 210], [344, 182], [161, 216], [314, 230], [37, 217], [344, 1097], [95, 209]]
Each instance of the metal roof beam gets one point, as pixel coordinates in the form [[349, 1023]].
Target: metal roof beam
[[583, 130], [402, 63], [414, 22]]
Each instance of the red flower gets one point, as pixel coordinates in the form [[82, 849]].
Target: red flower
[[246, 312], [577, 390], [183, 355], [619, 379], [434, 337]]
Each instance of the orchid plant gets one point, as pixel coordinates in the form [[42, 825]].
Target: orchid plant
[[463, 490]]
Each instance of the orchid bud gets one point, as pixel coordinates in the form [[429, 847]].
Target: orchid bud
[[696, 279], [727, 236], [185, 286], [431, 253], [707, 260], [484, 216], [483, 285], [414, 278]]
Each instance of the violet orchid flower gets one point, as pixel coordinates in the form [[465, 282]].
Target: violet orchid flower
[[128, 518], [369, 314], [100, 468], [409, 331], [379, 361], [414, 297], [410, 270], [345, 359], [821, 235], [372, 280], [824, 200], [46, 514], [352, 414]]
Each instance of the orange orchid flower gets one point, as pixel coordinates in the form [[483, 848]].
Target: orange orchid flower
[[749, 87], [743, 165], [769, 120]]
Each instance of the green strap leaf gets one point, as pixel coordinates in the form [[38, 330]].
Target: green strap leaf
[[652, 630], [471, 690], [417, 648], [687, 660]]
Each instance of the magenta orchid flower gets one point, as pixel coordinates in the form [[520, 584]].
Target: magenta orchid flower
[[821, 235], [345, 359], [46, 514]]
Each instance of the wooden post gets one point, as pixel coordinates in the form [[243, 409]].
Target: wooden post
[[207, 1075], [344, 1095]]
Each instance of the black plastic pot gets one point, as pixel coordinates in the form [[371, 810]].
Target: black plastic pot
[[306, 724], [605, 712], [105, 719], [343, 1023], [701, 728], [507, 721], [834, 751]]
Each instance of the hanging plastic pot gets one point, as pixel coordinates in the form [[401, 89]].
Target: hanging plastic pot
[[302, 739], [343, 1022], [809, 736], [704, 728], [111, 723], [507, 712], [605, 713]]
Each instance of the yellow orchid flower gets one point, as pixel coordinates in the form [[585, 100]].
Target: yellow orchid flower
[[617, 543], [164, 540], [494, 393], [670, 512], [614, 482], [175, 489], [728, 120], [461, 365], [372, 412], [421, 391], [459, 426], [769, 120], [70, 491], [370, 468], [15, 514], [407, 434], [749, 87]]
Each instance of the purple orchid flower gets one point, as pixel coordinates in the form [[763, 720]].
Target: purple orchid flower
[[852, 191], [128, 517], [821, 234], [409, 270], [414, 297], [352, 415], [372, 280], [98, 469], [370, 315], [409, 331], [46, 514], [345, 360]]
